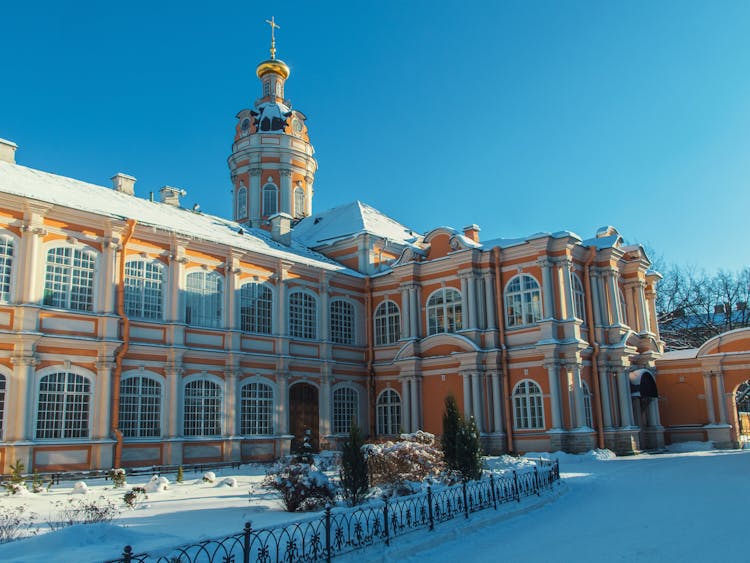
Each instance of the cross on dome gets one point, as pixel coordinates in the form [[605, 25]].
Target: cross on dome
[[274, 27]]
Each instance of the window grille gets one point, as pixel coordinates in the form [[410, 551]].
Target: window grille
[[256, 409], [202, 411], [527, 406], [140, 407], [522, 301], [69, 279], [63, 406], [203, 299], [444, 311], [256, 308], [303, 315], [342, 322], [345, 408], [387, 323], [389, 413], [144, 285]]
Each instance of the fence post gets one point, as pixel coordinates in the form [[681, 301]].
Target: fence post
[[328, 532], [536, 481], [385, 521], [429, 507], [492, 486], [127, 554], [557, 470], [466, 503], [246, 542], [515, 486]]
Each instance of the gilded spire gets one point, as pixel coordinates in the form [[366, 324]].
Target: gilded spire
[[274, 27]]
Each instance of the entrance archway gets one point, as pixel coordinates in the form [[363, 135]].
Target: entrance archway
[[303, 415], [742, 403]]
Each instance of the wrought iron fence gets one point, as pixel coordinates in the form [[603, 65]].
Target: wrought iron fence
[[340, 531]]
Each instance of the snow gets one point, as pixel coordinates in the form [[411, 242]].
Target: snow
[[673, 506], [680, 354]]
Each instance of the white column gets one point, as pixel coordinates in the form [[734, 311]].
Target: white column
[[709, 394], [230, 402], [325, 310], [489, 296], [414, 312], [467, 394], [255, 197], [481, 302], [470, 285], [547, 289], [604, 399], [102, 404], [231, 276], [106, 278], [282, 403], [643, 307], [172, 400], [30, 287], [653, 326], [173, 312], [626, 408], [595, 299], [476, 395], [406, 404], [405, 312], [601, 283], [578, 395], [280, 305], [653, 412], [722, 398], [308, 195], [21, 401], [286, 191], [554, 394], [415, 419], [326, 404], [566, 267], [614, 297], [497, 402]]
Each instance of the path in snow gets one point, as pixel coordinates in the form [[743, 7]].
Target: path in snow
[[674, 507]]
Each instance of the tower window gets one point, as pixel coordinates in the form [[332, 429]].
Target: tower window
[[270, 200], [299, 202]]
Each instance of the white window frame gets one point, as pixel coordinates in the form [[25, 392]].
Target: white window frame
[[444, 315], [342, 321], [579, 298], [344, 408], [261, 420], [8, 245], [528, 406], [523, 304], [4, 379], [256, 311], [387, 323], [303, 316], [388, 412], [143, 409], [69, 400], [241, 202], [60, 287], [203, 428], [268, 199], [144, 289], [204, 307]]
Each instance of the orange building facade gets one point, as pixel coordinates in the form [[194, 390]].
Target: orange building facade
[[136, 332]]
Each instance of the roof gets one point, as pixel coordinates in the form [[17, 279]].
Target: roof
[[67, 192], [348, 220]]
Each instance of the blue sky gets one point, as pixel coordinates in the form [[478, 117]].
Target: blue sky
[[518, 116]]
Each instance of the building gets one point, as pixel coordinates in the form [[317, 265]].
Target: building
[[137, 332]]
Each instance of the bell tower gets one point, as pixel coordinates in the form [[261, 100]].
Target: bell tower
[[271, 165]]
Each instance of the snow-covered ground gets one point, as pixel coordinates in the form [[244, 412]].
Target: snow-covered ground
[[686, 506]]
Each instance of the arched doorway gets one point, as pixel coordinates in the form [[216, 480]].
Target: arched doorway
[[303, 415], [742, 402], [645, 397]]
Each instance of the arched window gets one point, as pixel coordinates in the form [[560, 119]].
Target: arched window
[[256, 308], [444, 311], [387, 323], [63, 406], [203, 299], [522, 301], [242, 203], [345, 409], [527, 406], [140, 407], [342, 322], [69, 279], [299, 202], [270, 200], [267, 88], [388, 413], [256, 409], [2, 404], [587, 413], [6, 266], [202, 411], [579, 303], [144, 286], [303, 315]]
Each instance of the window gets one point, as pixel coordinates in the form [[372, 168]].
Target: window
[[299, 202], [527, 406], [144, 282], [256, 409], [203, 299], [63, 407], [2, 403], [587, 405], [579, 304], [242, 203], [624, 309], [522, 301], [202, 412], [444, 311], [387, 323], [303, 315], [342, 322], [140, 407], [345, 408], [388, 413], [267, 88], [6, 264], [256, 307], [270, 200], [69, 280]]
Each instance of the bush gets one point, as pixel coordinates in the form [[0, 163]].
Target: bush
[[301, 485], [353, 474], [14, 523], [157, 484], [82, 511], [451, 423], [134, 496], [80, 488], [38, 484], [209, 477], [469, 451], [16, 484], [413, 458], [118, 477]]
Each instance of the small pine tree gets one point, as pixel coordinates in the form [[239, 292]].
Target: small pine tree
[[180, 476], [354, 475], [451, 424], [16, 481], [469, 450]]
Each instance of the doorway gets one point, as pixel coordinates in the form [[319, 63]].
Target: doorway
[[303, 415]]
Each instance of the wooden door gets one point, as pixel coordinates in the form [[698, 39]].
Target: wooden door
[[303, 415]]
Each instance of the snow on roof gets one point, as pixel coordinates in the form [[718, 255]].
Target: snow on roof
[[679, 354], [508, 242], [67, 192], [348, 220]]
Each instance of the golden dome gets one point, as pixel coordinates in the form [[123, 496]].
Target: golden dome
[[273, 65]]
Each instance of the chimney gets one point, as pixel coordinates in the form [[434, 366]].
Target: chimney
[[8, 151], [171, 196], [472, 232], [281, 228], [123, 183]]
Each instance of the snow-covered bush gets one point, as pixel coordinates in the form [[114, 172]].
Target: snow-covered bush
[[209, 477], [38, 484], [134, 496], [82, 511], [228, 482], [15, 523], [80, 488], [16, 484], [118, 477], [157, 484], [301, 485], [413, 458]]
